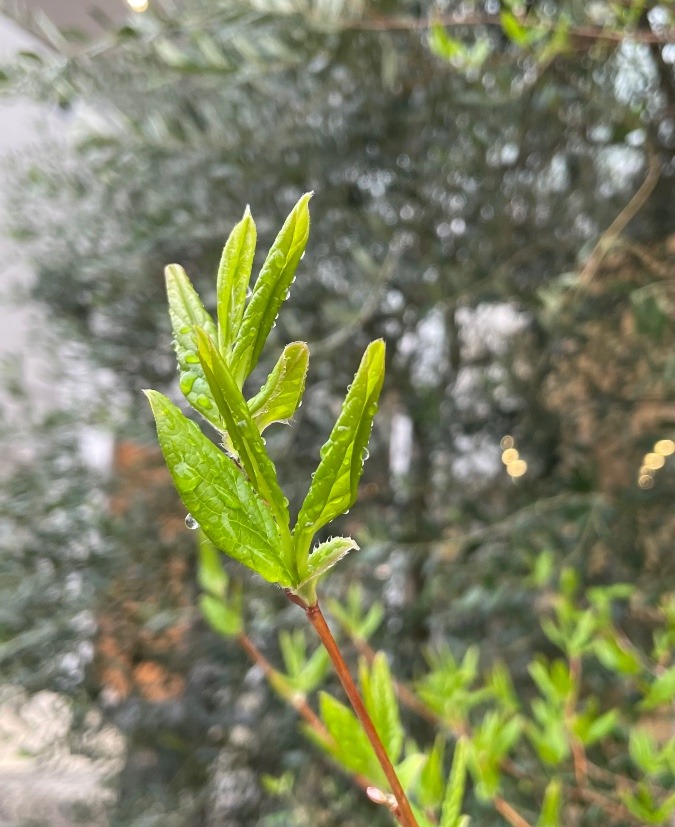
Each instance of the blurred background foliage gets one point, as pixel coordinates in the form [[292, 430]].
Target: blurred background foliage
[[494, 198]]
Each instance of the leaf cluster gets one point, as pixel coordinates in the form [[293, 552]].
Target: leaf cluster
[[233, 492]]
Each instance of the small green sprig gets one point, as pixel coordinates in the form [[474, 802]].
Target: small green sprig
[[234, 495]]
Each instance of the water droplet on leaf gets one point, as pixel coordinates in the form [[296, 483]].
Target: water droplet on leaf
[[191, 523]]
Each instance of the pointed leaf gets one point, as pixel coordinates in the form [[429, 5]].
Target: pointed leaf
[[271, 289], [550, 810], [409, 770], [380, 699], [187, 311], [601, 727], [443, 45], [314, 671], [223, 617], [218, 495], [432, 783], [293, 651], [662, 690], [454, 792], [210, 573], [280, 396], [326, 555], [351, 747], [321, 560], [234, 274], [334, 486], [245, 437], [514, 29]]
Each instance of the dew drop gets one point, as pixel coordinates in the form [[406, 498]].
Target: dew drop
[[288, 293], [191, 523], [301, 257], [249, 292], [365, 454]]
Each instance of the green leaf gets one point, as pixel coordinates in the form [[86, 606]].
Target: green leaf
[[550, 809], [326, 555], [443, 45], [293, 650], [583, 632], [662, 690], [304, 674], [350, 616], [314, 671], [211, 575], [454, 792], [222, 617], [502, 688], [322, 559], [245, 437], [234, 274], [513, 29], [335, 483], [643, 805], [409, 770], [601, 727], [280, 396], [613, 655], [643, 751], [379, 696], [218, 495], [187, 312], [431, 780], [351, 747], [271, 289]]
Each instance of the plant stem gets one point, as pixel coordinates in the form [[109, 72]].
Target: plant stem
[[316, 618], [297, 701], [506, 810]]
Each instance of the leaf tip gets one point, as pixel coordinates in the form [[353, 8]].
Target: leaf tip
[[173, 271], [155, 398]]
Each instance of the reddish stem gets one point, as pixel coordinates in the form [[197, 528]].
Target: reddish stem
[[512, 816], [316, 618]]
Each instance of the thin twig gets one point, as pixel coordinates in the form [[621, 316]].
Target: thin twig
[[506, 811], [612, 808], [641, 252], [318, 621], [453, 21], [622, 219], [297, 700]]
